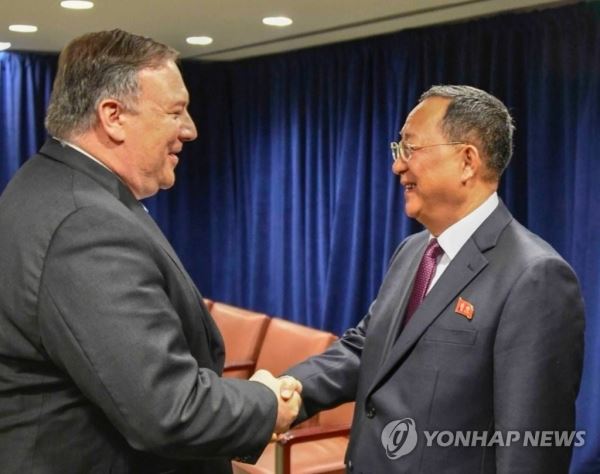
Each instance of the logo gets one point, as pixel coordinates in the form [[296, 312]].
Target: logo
[[464, 308], [503, 439], [399, 437]]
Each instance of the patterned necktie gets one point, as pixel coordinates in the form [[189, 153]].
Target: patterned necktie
[[423, 278]]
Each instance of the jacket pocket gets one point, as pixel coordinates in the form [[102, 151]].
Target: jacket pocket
[[451, 336]]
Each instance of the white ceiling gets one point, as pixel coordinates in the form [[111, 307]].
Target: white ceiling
[[236, 25]]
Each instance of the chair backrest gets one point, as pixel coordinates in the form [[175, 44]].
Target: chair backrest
[[287, 343], [208, 303], [243, 332]]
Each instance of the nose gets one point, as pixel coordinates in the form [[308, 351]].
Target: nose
[[399, 166], [188, 131]]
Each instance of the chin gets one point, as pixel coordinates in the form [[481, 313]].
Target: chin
[[167, 185], [410, 211], [167, 180]]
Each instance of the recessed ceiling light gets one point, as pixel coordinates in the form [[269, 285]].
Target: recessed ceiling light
[[201, 40], [76, 4], [277, 21], [4, 46], [23, 28]]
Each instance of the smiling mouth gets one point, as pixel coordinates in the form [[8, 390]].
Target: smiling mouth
[[409, 186]]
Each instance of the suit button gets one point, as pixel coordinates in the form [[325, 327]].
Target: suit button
[[350, 466], [370, 411]]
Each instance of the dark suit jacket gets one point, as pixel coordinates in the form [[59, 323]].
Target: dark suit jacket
[[516, 365], [109, 360]]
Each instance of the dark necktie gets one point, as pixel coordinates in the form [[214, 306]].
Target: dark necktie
[[423, 278]]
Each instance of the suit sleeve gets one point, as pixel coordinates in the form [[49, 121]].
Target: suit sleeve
[[538, 355], [107, 321], [331, 378]]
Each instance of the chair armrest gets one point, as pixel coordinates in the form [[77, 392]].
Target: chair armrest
[[312, 433], [238, 365], [300, 435]]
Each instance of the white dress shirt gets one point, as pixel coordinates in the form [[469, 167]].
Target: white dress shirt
[[455, 236], [83, 152]]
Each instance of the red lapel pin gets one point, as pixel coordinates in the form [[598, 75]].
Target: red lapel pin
[[464, 308]]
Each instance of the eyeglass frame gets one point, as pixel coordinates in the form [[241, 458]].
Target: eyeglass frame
[[397, 148]]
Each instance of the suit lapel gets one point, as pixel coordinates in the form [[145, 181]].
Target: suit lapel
[[72, 158], [109, 181], [401, 296], [463, 268], [150, 225], [467, 264]]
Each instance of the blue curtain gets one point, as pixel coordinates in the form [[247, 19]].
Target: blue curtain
[[297, 211], [286, 203], [25, 85]]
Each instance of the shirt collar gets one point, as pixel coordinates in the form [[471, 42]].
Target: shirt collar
[[83, 152], [455, 236]]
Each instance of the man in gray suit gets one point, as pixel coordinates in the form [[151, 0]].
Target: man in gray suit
[[109, 360], [469, 359]]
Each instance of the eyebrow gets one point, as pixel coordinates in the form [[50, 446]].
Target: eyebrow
[[180, 104]]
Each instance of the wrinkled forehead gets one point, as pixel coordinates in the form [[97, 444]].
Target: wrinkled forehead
[[425, 119]]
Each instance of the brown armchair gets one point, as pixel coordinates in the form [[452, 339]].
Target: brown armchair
[[319, 444], [243, 332], [208, 303], [287, 343], [318, 449]]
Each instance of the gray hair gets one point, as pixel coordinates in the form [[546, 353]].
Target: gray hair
[[475, 115], [97, 66]]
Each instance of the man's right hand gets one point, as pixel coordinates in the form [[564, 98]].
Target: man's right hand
[[287, 390]]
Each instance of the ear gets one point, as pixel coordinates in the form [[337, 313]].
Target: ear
[[471, 164], [110, 118]]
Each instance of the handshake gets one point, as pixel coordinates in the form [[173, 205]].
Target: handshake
[[287, 390]]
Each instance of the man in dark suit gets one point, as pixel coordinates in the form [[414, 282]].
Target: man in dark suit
[[471, 354], [109, 360]]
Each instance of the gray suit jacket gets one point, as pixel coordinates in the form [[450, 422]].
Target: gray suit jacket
[[515, 365], [109, 360]]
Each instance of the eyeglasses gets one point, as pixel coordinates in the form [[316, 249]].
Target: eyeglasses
[[404, 151]]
